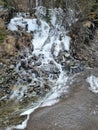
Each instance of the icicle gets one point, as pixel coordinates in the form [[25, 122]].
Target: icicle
[[36, 3]]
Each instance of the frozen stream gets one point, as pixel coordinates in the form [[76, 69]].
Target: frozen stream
[[48, 40]]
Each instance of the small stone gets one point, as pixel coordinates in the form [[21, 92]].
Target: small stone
[[29, 79], [11, 67], [67, 55], [34, 94], [88, 24], [38, 63], [24, 64]]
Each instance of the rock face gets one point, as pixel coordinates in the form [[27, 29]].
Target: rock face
[[77, 111], [84, 35], [84, 43]]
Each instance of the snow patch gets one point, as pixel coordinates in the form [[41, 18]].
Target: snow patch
[[93, 81]]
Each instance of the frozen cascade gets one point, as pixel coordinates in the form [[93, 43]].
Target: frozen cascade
[[37, 3], [49, 38]]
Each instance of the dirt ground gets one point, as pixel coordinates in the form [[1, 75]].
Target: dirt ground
[[77, 111]]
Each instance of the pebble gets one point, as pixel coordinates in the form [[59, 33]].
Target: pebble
[[67, 55], [12, 67]]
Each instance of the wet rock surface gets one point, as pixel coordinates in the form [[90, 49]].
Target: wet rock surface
[[69, 63]]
